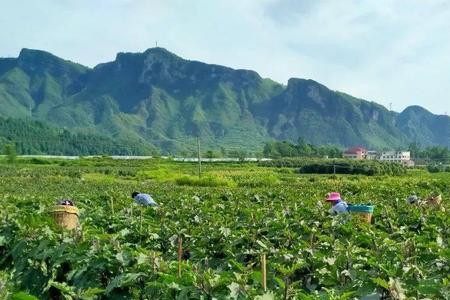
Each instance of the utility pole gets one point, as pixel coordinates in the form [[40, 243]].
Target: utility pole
[[448, 140], [199, 158], [334, 167]]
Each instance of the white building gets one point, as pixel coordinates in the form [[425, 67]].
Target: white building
[[403, 157], [371, 154]]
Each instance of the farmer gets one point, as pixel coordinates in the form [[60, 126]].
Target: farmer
[[413, 199], [338, 205], [143, 199], [65, 202]]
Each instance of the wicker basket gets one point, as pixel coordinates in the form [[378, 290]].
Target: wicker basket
[[435, 200], [66, 216], [363, 212], [365, 217]]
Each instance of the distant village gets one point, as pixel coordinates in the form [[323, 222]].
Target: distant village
[[402, 157]]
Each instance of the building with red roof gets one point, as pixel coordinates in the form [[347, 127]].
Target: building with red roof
[[355, 153]]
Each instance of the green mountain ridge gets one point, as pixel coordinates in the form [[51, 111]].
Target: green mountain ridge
[[159, 99]]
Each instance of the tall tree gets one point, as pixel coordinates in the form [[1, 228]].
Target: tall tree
[[10, 152]]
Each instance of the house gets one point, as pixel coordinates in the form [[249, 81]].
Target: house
[[403, 157], [355, 153]]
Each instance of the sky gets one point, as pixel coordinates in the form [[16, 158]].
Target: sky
[[396, 53]]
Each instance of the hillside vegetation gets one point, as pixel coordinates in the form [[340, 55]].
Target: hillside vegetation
[[34, 137]]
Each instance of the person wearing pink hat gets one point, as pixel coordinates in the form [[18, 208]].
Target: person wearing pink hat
[[339, 206]]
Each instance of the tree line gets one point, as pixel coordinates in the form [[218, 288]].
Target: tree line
[[430, 154], [276, 149], [33, 137]]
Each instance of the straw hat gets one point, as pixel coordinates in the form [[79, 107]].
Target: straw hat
[[333, 196]]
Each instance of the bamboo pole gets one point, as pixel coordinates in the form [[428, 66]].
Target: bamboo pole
[[180, 254], [286, 288], [140, 227], [263, 272], [206, 263]]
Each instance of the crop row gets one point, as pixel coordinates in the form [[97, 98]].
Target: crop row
[[123, 251]]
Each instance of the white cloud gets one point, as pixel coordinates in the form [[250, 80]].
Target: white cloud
[[381, 50]]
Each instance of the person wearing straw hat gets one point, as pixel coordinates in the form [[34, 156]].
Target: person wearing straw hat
[[143, 199], [339, 206]]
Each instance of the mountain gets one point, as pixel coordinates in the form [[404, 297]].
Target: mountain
[[157, 99], [35, 83], [421, 126], [321, 116]]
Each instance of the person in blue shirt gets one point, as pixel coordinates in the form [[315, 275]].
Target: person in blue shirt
[[338, 206], [143, 199]]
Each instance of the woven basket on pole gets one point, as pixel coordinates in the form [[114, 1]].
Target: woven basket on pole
[[66, 216]]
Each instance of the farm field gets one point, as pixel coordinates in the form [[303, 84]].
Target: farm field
[[225, 221]]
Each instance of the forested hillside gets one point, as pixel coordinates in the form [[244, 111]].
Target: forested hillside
[[32, 137]]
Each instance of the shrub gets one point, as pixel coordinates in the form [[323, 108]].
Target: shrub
[[434, 168], [40, 161], [340, 166], [126, 173], [203, 181], [161, 174], [260, 180]]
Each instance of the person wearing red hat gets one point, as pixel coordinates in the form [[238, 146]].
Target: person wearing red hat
[[339, 206]]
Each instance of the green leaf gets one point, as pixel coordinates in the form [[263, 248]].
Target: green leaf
[[257, 276], [280, 282], [234, 290], [381, 282], [91, 293], [63, 287], [266, 296], [142, 259], [347, 295], [23, 296], [122, 280], [261, 244], [428, 287]]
